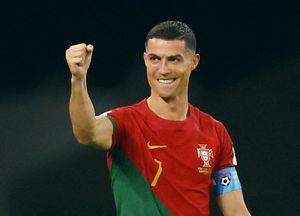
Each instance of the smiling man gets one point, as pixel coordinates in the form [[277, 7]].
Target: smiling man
[[165, 156]]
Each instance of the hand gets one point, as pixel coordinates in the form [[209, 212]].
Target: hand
[[79, 59]]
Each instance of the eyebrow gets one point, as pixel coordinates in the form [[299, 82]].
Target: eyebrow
[[168, 57], [178, 56]]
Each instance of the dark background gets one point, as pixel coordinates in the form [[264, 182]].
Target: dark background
[[248, 79]]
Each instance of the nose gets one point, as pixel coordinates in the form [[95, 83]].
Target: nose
[[164, 68]]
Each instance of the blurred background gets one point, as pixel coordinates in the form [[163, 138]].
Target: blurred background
[[248, 79]]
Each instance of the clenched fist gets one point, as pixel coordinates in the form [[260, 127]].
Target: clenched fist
[[79, 59]]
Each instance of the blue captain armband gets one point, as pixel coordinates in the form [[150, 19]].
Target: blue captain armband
[[225, 180]]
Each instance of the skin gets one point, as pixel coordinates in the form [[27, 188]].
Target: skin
[[87, 128], [169, 65]]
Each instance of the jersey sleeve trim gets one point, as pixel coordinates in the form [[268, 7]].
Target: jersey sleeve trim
[[113, 121], [225, 180], [116, 130]]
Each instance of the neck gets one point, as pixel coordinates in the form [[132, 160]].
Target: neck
[[170, 109]]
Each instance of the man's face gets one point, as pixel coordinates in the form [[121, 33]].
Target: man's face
[[169, 65]]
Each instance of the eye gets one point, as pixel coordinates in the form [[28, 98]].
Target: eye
[[174, 59], [154, 59]]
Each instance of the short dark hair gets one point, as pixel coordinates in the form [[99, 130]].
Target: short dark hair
[[173, 30]]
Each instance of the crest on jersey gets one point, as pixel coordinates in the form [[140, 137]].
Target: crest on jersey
[[205, 154]]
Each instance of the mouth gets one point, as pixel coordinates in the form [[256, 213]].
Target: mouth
[[166, 81]]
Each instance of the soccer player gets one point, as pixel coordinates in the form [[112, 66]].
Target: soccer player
[[165, 156]]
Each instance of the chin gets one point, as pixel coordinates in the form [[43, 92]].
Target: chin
[[166, 96]]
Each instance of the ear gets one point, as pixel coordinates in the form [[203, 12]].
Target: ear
[[196, 60], [145, 58]]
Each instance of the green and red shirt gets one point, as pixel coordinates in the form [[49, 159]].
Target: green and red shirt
[[164, 167]]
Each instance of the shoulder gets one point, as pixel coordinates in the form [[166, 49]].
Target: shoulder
[[203, 116], [125, 113], [124, 116], [206, 119], [129, 109]]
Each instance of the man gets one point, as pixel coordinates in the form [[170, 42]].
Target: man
[[164, 155]]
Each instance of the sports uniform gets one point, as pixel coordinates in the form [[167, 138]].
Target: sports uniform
[[164, 167]]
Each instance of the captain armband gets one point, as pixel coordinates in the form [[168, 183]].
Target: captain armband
[[225, 180]]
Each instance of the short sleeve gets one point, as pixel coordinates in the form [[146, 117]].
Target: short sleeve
[[226, 157], [116, 116]]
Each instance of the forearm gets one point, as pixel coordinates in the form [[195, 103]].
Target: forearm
[[82, 111], [232, 204], [240, 210]]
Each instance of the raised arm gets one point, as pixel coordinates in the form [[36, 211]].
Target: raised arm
[[86, 127]]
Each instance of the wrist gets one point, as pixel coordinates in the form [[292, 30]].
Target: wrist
[[77, 79]]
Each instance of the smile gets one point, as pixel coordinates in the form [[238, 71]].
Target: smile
[[166, 81]]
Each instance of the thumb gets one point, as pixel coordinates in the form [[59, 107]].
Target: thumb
[[89, 48], [89, 52]]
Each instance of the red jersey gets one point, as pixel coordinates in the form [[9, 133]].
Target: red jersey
[[165, 167]]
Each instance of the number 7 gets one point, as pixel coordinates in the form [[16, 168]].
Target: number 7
[[158, 173]]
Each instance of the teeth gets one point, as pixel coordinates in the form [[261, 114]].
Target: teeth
[[166, 81]]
